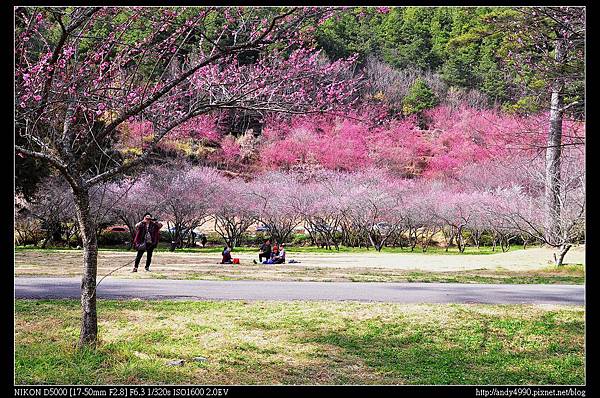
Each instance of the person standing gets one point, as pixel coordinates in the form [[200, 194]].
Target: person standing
[[146, 239]]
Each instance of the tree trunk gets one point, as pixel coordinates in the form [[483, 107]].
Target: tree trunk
[[89, 321], [449, 237], [476, 236], [525, 242], [561, 255], [412, 237], [459, 239], [173, 236], [68, 236], [20, 239], [553, 152]]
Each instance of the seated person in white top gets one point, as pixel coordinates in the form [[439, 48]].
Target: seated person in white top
[[280, 257]]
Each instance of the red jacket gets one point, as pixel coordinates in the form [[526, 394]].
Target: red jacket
[[140, 233]]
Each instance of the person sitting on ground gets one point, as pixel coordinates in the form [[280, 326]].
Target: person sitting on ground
[[265, 251], [275, 250], [271, 259], [226, 255], [280, 258]]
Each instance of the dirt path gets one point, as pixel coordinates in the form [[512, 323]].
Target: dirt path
[[313, 267]]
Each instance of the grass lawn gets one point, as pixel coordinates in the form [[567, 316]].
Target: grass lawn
[[341, 267], [164, 247], [300, 343], [567, 275]]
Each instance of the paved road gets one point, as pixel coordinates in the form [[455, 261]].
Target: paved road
[[273, 290]]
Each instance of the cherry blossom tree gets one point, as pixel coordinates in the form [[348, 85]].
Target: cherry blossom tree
[[234, 209], [184, 195], [456, 138], [52, 206], [276, 195], [131, 198], [83, 72], [377, 207], [515, 190], [27, 228], [322, 206], [521, 208]]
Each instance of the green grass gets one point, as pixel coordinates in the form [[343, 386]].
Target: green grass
[[163, 247], [575, 277], [301, 343]]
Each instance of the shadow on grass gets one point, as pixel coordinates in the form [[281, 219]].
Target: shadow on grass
[[296, 343], [479, 356]]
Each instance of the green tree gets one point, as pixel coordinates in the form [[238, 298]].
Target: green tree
[[419, 98], [351, 33], [405, 38], [493, 80], [441, 29], [546, 49]]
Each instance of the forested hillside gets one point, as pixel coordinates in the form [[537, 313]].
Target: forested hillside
[[409, 64], [454, 49]]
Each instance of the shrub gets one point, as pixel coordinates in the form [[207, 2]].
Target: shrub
[[300, 240], [165, 236], [213, 238], [113, 238]]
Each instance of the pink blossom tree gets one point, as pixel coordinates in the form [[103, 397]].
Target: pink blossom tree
[[131, 198], [275, 196], [377, 207], [52, 206], [83, 72], [423, 204], [184, 194], [322, 207], [522, 208], [234, 209]]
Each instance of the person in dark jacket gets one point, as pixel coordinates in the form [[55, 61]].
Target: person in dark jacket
[[146, 239], [265, 251], [226, 255]]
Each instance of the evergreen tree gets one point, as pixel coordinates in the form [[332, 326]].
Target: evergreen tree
[[419, 98]]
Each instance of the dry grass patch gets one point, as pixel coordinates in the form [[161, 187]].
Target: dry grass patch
[[523, 266]]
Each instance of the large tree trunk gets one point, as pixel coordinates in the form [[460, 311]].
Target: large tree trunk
[[89, 321], [553, 152]]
